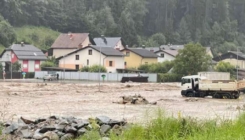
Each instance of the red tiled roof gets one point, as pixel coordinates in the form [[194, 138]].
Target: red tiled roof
[[69, 41]]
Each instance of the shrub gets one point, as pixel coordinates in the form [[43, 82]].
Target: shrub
[[48, 64], [168, 77], [84, 69], [94, 68], [163, 67]]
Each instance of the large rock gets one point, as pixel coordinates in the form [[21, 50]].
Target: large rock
[[46, 129], [70, 130], [81, 131], [10, 129], [103, 120], [26, 133], [51, 135], [37, 135], [67, 137], [104, 129]]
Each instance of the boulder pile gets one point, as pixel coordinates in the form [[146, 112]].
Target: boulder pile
[[61, 128], [136, 99]]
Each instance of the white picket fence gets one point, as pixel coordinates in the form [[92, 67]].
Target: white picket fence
[[152, 77]]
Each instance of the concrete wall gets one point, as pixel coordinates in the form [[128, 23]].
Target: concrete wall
[[88, 60], [116, 77]]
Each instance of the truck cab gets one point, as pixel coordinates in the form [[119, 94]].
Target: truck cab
[[189, 84]]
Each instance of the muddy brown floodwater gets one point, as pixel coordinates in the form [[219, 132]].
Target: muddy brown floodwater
[[35, 100]]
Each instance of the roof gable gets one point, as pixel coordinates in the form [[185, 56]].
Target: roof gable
[[69, 41], [107, 51], [230, 55], [143, 53], [110, 41], [173, 53], [27, 52]]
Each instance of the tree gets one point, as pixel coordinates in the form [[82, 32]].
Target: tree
[[7, 34], [16, 66], [1, 67], [192, 59], [184, 33], [225, 67]]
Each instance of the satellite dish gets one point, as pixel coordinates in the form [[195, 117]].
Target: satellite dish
[[35, 54]]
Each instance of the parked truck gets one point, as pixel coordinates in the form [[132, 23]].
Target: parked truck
[[201, 86]]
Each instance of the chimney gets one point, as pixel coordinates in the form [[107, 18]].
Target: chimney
[[22, 44]]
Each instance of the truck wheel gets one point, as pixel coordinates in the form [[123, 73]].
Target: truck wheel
[[227, 96], [216, 96], [236, 96], [190, 94]]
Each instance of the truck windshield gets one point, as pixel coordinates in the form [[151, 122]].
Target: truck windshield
[[184, 81]]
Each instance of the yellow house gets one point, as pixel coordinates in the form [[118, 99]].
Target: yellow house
[[135, 57]]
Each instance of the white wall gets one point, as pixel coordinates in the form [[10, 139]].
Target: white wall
[[118, 61], [119, 44], [94, 59], [60, 52], [166, 57], [152, 77]]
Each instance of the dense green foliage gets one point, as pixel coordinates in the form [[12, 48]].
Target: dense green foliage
[[16, 66], [216, 23], [40, 37], [50, 62], [166, 128], [191, 60], [7, 34], [169, 77], [163, 67], [225, 67], [94, 68]]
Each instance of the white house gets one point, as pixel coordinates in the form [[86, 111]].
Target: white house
[[110, 58], [166, 55], [67, 43]]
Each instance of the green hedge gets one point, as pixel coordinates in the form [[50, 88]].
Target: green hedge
[[168, 77]]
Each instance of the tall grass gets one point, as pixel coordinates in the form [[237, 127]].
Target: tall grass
[[167, 128]]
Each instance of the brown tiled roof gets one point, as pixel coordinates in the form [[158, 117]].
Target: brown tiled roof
[[66, 41]]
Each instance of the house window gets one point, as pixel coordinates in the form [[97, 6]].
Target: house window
[[125, 63], [25, 66], [127, 53], [89, 52], [110, 63], [87, 62], [162, 55], [77, 67], [77, 57]]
